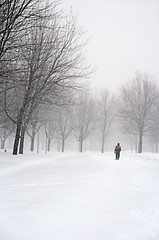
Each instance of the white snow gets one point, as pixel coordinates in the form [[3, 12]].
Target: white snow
[[79, 196]]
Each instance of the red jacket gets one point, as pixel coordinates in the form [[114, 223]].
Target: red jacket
[[117, 149]]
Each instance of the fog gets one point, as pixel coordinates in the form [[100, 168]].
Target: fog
[[124, 37]]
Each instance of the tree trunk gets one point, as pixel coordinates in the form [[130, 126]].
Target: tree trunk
[[136, 143], [156, 146], [49, 144], [21, 147], [46, 144], [32, 142], [2, 143], [140, 143], [63, 144], [80, 146], [38, 142], [103, 142], [103, 134], [16, 140], [18, 131]]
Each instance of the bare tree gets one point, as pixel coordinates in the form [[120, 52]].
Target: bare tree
[[6, 126], [34, 126], [135, 106], [49, 127], [6, 129], [105, 115], [154, 130], [64, 126], [83, 120]]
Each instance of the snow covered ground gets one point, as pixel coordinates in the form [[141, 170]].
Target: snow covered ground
[[79, 196]]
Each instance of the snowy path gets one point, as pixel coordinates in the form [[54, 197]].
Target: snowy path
[[74, 196]]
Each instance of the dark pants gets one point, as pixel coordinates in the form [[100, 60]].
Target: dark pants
[[117, 156]]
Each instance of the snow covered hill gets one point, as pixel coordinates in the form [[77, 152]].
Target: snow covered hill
[[79, 196]]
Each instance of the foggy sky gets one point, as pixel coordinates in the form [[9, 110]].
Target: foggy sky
[[124, 38]]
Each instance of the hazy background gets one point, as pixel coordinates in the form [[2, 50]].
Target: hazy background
[[124, 38]]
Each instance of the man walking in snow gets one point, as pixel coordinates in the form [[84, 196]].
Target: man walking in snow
[[117, 151]]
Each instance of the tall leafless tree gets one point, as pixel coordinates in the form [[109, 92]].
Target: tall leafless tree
[[34, 126], [84, 118], [135, 106], [6, 129], [50, 126], [64, 126], [105, 115], [154, 130]]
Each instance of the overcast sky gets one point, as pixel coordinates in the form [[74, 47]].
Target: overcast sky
[[124, 38]]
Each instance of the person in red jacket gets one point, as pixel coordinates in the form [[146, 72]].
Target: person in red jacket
[[117, 151]]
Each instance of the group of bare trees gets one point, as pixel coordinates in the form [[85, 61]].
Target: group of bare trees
[[138, 107], [134, 111], [76, 122], [41, 60]]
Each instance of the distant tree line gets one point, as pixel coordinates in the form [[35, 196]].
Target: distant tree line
[[42, 87]]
